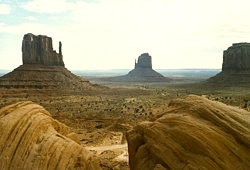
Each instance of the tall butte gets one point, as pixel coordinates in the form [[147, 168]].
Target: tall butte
[[39, 50], [43, 68], [142, 72], [235, 67]]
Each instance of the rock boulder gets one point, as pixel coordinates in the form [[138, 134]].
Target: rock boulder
[[32, 139], [193, 133]]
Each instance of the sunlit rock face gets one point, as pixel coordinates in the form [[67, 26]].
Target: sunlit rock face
[[32, 139], [39, 50], [193, 133]]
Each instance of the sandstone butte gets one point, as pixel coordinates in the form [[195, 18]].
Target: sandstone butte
[[142, 72], [235, 66], [43, 68], [193, 133], [32, 139]]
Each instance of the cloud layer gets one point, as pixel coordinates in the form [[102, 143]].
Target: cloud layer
[[4, 9]]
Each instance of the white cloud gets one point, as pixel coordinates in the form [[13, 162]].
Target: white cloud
[[31, 18], [5, 9], [48, 6]]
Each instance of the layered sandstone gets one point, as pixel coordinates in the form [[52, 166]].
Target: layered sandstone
[[193, 133], [32, 139], [235, 67]]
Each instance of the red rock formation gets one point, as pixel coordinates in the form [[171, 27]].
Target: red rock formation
[[142, 72], [32, 139], [235, 67], [39, 50], [193, 133], [144, 61], [237, 57], [43, 68]]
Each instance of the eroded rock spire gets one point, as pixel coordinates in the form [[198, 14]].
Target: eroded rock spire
[[39, 50]]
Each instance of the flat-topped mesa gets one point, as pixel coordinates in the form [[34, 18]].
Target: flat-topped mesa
[[237, 57], [144, 61], [39, 50]]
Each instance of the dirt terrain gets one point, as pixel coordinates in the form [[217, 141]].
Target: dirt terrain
[[101, 119]]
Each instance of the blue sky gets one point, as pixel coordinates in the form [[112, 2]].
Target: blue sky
[[111, 34]]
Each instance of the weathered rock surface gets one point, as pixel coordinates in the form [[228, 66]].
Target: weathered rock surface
[[32, 139], [237, 57], [235, 67], [193, 133], [144, 61], [142, 72], [43, 68], [39, 50]]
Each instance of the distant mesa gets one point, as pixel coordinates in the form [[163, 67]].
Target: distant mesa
[[142, 72], [236, 65], [43, 67]]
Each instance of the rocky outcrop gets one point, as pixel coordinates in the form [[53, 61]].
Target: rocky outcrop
[[237, 57], [144, 61], [32, 139], [39, 50], [193, 133], [235, 67], [142, 72]]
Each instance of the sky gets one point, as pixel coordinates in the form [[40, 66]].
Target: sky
[[111, 34]]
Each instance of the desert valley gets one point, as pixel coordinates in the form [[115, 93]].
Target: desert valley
[[53, 118]]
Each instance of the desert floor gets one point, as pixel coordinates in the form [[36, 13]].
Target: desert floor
[[101, 119]]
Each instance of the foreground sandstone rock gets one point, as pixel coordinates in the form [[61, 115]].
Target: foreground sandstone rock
[[194, 133], [32, 139]]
